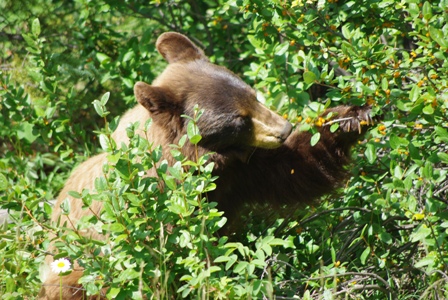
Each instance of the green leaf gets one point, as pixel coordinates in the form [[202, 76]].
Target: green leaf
[[384, 84], [114, 227], [221, 258], [309, 77], [428, 110], [231, 261], [26, 132], [103, 58], [104, 142], [105, 98], [385, 237], [175, 171], [3, 182], [75, 194], [425, 261], [420, 234], [346, 32], [254, 41], [396, 142], [334, 127], [30, 41], [414, 94], [98, 108], [315, 139], [113, 292], [267, 249], [240, 267], [414, 10], [281, 49], [370, 153], [443, 156], [427, 10], [438, 36], [35, 27], [170, 182], [195, 139], [442, 133], [364, 255], [128, 56], [193, 133]]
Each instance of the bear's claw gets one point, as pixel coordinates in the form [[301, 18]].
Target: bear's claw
[[354, 118]]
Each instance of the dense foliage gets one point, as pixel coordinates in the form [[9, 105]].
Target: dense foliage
[[383, 236]]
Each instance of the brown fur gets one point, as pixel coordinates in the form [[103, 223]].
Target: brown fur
[[256, 157]]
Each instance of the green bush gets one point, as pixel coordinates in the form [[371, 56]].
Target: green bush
[[381, 236]]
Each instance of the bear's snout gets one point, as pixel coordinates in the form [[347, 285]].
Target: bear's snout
[[269, 130], [286, 131]]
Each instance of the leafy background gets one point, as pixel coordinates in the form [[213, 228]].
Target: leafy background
[[383, 236]]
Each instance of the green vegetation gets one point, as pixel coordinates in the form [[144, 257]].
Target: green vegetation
[[383, 236]]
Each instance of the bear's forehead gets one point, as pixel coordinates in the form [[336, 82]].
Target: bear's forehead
[[201, 74]]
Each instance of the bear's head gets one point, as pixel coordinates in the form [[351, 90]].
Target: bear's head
[[233, 122]]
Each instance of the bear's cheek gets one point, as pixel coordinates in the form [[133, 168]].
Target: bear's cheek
[[226, 137]]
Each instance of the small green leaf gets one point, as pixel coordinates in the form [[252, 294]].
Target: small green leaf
[[425, 261], [384, 84], [128, 56], [175, 171], [254, 41], [420, 234], [415, 93], [365, 255], [443, 156], [75, 194], [370, 153], [113, 292], [193, 133], [309, 77], [346, 32], [105, 98], [170, 182], [98, 108], [195, 139], [385, 237], [334, 127], [103, 58], [442, 133], [427, 10], [66, 206], [29, 40], [35, 27], [221, 258], [114, 227], [438, 36], [396, 141], [104, 142], [26, 132], [231, 261], [413, 10], [282, 48], [240, 267], [3, 182], [315, 139], [428, 110]]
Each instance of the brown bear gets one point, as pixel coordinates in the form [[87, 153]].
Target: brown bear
[[257, 158]]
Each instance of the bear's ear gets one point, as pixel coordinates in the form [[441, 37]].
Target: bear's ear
[[176, 47], [153, 98]]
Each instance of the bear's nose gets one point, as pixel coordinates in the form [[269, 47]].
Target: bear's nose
[[286, 131]]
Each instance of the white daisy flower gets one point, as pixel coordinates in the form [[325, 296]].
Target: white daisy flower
[[61, 265]]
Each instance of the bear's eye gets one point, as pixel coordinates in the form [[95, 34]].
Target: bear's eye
[[241, 121]]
